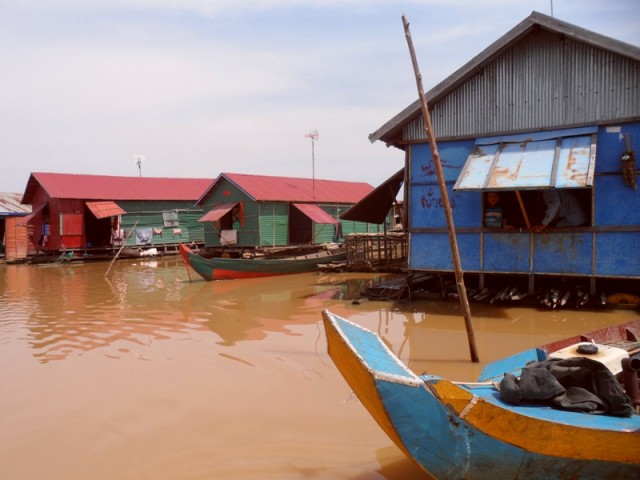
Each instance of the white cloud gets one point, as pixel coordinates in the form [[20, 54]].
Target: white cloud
[[201, 87]]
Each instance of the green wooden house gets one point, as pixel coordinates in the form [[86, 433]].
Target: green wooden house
[[265, 211]]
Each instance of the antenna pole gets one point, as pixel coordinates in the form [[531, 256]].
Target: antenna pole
[[313, 135], [139, 159]]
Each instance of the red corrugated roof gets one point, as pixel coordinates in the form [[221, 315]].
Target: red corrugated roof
[[104, 187], [288, 189]]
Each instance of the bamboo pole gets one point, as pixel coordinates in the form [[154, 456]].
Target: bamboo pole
[[523, 210], [462, 292], [121, 247]]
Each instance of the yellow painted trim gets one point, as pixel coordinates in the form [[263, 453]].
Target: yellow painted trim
[[540, 436]]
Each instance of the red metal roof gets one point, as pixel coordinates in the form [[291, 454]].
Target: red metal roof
[[104, 187], [288, 189]]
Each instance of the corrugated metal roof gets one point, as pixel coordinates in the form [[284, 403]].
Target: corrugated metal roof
[[104, 187], [392, 131], [315, 213], [11, 205], [288, 189], [553, 159], [105, 209]]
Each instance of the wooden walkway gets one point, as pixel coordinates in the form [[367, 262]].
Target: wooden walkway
[[376, 252]]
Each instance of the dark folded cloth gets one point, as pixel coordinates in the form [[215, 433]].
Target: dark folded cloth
[[578, 383]]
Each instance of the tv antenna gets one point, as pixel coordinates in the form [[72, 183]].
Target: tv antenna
[[139, 159]]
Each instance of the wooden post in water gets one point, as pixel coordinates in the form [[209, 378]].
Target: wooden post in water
[[462, 292]]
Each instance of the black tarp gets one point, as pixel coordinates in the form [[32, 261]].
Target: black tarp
[[375, 207]]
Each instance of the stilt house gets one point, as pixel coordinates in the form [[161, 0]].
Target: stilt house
[[80, 212], [14, 243], [266, 211], [549, 106]]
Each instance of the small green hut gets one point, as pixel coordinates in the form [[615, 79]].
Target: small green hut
[[265, 211]]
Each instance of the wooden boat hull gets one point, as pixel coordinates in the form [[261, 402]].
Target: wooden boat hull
[[235, 268], [466, 431]]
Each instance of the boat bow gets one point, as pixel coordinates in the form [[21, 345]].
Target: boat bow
[[459, 430]]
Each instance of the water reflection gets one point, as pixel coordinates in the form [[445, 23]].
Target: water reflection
[[71, 309], [433, 337], [153, 376]]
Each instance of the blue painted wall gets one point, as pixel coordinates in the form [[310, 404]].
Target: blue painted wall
[[611, 248]]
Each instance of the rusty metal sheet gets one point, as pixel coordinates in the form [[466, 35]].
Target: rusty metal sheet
[[576, 162], [10, 205], [552, 159]]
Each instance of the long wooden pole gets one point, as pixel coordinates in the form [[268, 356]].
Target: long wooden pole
[[462, 292], [523, 210], [121, 247]]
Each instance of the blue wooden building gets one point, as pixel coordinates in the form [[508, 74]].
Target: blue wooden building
[[549, 106]]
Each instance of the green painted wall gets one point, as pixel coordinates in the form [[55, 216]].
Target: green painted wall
[[274, 224], [323, 233], [267, 223], [227, 192], [149, 215]]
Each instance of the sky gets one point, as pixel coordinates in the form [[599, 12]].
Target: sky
[[202, 87]]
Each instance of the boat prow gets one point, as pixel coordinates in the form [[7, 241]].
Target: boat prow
[[456, 430]]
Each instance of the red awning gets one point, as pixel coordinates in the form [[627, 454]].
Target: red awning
[[218, 212], [315, 213], [104, 209]]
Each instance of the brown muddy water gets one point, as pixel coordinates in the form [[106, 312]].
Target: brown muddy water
[[145, 375]]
